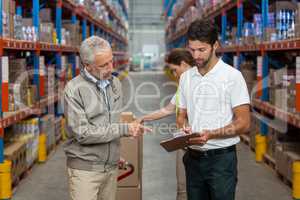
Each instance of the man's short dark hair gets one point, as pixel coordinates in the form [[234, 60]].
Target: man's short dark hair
[[204, 31]]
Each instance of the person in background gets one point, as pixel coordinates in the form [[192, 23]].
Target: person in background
[[213, 96], [92, 104], [179, 60]]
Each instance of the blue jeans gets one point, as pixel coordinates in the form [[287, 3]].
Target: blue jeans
[[211, 177]]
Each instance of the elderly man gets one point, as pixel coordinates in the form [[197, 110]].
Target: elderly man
[[93, 101]]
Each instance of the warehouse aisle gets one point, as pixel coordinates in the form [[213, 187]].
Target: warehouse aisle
[[256, 182]]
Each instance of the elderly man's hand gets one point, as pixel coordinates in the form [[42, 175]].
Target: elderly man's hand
[[136, 129]]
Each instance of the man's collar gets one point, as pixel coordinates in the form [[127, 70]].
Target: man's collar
[[195, 71], [102, 83]]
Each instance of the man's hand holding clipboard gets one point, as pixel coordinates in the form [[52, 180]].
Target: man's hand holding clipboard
[[179, 140]]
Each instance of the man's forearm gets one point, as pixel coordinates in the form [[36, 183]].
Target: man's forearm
[[163, 112], [236, 128], [157, 115]]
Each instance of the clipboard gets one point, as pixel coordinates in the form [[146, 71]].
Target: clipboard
[[177, 142]]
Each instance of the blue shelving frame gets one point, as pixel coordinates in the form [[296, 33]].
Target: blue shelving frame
[[95, 28]]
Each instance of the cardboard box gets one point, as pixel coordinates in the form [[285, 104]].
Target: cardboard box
[[297, 26], [129, 193], [253, 132], [249, 73], [292, 156], [279, 98], [46, 15], [46, 32], [74, 32], [27, 21], [11, 26], [31, 95], [88, 31], [127, 117], [290, 146], [297, 16], [5, 4], [18, 95], [16, 153], [271, 142], [282, 5], [5, 24], [17, 67], [269, 33], [281, 160], [132, 151], [285, 154], [12, 7]]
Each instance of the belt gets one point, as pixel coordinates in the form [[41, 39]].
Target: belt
[[212, 152]]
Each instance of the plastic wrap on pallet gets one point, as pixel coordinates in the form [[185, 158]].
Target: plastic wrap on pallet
[[28, 131], [47, 127], [58, 128]]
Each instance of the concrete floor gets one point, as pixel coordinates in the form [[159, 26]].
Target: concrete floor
[[256, 181]]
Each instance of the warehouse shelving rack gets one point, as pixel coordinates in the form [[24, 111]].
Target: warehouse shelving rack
[[78, 14], [262, 49], [220, 13]]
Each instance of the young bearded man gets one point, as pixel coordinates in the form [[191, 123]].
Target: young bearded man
[[213, 96]]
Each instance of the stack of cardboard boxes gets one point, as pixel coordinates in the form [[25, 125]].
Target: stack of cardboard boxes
[[58, 128], [254, 129], [283, 29], [285, 155], [74, 32], [9, 9], [18, 83], [27, 131], [130, 188], [47, 126], [297, 25], [51, 83], [22, 140], [283, 24], [282, 89], [46, 26], [21, 28], [282, 147], [249, 73], [272, 137], [29, 32], [16, 153]]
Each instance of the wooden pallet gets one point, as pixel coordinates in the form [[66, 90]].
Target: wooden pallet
[[58, 140], [284, 180], [268, 160], [24, 175], [51, 148], [245, 139], [252, 149]]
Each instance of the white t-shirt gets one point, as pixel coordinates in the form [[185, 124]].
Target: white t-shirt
[[210, 100]]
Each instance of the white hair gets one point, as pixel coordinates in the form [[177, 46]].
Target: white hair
[[92, 46]]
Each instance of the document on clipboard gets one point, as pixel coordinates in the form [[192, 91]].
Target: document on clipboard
[[178, 141]]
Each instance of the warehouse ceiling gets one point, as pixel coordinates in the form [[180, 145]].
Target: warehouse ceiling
[[145, 14], [146, 26]]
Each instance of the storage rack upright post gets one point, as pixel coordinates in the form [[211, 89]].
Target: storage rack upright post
[[77, 13], [229, 12]]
